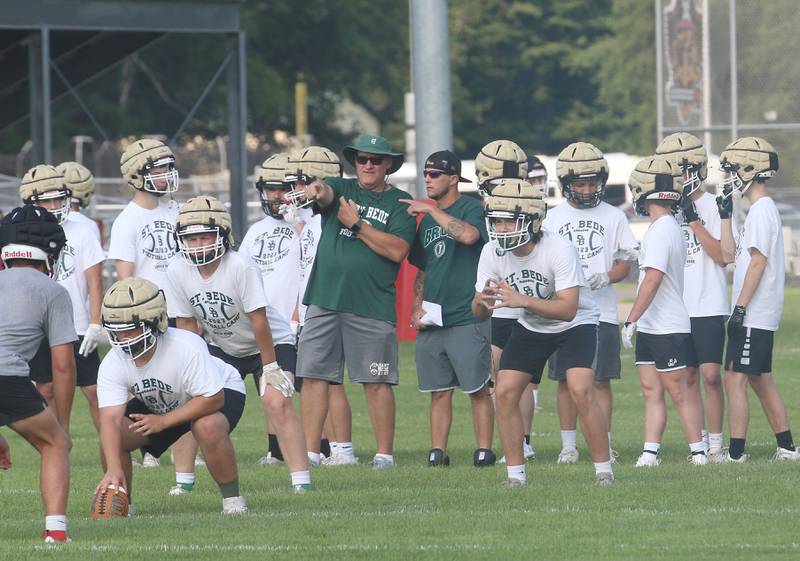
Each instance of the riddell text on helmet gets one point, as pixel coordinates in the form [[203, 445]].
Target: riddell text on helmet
[[18, 255]]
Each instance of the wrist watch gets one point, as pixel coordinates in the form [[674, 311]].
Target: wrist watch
[[356, 228]]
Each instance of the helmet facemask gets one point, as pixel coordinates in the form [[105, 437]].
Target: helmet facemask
[[691, 179], [204, 254], [295, 195], [133, 347], [585, 200], [272, 207], [62, 210], [169, 178], [511, 239]]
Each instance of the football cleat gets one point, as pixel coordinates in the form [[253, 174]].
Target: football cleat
[[269, 460], [55, 536], [437, 457], [483, 457], [379, 462], [234, 505], [648, 459], [784, 454], [729, 460], [513, 483], [150, 461], [697, 458], [604, 478], [716, 455], [337, 459], [178, 490], [613, 455], [568, 456], [301, 488]]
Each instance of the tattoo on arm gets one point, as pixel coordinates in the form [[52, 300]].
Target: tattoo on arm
[[419, 288], [455, 228]]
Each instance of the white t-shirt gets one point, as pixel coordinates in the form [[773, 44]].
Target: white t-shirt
[[601, 235], [309, 239], [146, 238], [81, 252], [274, 246], [762, 230], [705, 290], [181, 368], [553, 265], [663, 249], [222, 301], [77, 216]]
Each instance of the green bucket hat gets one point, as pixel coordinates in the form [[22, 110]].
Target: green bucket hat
[[373, 144]]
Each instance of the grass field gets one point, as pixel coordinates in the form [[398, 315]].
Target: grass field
[[676, 511]]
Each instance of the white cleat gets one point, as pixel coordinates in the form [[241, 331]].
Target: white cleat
[[716, 455], [340, 460], [176, 490], [604, 478], [568, 456], [699, 459], [234, 505], [613, 455], [728, 460], [150, 461], [784, 454], [382, 463], [199, 460], [528, 452], [648, 459], [269, 460]]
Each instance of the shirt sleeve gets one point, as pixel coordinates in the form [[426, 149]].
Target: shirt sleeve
[[485, 268], [567, 268], [251, 288], [122, 244], [201, 377], [92, 251], [417, 255], [627, 247], [111, 387], [658, 255], [180, 307], [60, 325], [759, 233], [402, 224]]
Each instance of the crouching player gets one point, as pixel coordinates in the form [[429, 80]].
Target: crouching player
[[539, 272], [177, 387]]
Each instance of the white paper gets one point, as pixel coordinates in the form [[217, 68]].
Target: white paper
[[433, 314]]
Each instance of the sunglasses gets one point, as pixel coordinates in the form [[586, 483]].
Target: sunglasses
[[374, 160], [433, 173]]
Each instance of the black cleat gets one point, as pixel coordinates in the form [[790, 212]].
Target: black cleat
[[483, 457], [436, 458]]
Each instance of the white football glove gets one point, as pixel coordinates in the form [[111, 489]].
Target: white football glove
[[290, 214], [627, 334], [272, 375], [95, 334], [598, 281]]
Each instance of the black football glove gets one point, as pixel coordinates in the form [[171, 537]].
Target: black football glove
[[689, 211], [725, 204], [736, 327]]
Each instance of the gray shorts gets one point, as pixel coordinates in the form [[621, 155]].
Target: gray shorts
[[330, 338], [452, 357], [609, 365]]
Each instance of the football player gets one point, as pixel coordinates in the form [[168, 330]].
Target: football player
[[142, 236], [30, 243], [79, 270], [605, 245], [705, 292], [222, 290], [498, 160], [663, 346], [177, 387], [757, 296], [539, 273], [81, 185]]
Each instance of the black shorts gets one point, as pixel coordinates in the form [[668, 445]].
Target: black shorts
[[708, 338], [609, 365], [528, 351], [751, 353], [501, 331], [285, 356], [159, 442], [667, 352], [19, 399], [86, 367]]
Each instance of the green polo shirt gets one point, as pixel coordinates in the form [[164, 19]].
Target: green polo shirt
[[347, 275], [450, 267]]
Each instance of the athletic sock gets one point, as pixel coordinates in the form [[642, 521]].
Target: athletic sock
[[736, 448], [652, 447], [517, 472], [346, 449], [313, 458], [602, 467], [715, 440], [274, 447], [704, 437], [185, 480], [229, 490], [56, 523], [528, 439], [569, 439], [301, 477], [325, 447], [785, 440]]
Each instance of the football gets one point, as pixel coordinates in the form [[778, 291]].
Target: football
[[111, 503]]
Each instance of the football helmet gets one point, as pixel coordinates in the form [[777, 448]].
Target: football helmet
[[500, 159], [537, 173], [306, 165], [79, 180], [45, 183], [744, 160], [687, 153], [581, 161], [134, 303], [30, 232], [200, 215], [518, 201], [270, 178], [140, 158], [655, 179]]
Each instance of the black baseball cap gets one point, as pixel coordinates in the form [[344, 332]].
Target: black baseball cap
[[446, 162]]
